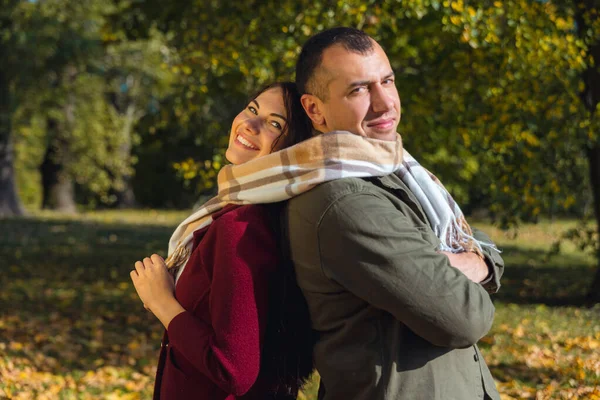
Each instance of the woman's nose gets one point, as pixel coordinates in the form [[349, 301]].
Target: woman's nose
[[252, 126]]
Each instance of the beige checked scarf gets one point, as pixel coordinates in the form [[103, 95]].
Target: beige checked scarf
[[289, 172]]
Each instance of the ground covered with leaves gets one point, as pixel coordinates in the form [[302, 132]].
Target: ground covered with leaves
[[72, 327]]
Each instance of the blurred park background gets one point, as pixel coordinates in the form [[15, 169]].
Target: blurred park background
[[115, 114]]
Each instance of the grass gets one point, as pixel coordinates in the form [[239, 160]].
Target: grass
[[72, 327]]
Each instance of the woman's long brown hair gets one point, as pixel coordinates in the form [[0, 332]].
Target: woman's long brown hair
[[286, 356]]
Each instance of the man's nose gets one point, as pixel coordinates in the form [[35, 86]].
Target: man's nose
[[381, 100]]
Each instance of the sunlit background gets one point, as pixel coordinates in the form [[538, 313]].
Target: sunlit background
[[114, 115]]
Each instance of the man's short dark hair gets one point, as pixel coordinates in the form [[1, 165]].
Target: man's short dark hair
[[310, 58]]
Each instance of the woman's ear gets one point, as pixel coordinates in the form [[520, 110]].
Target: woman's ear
[[313, 106]]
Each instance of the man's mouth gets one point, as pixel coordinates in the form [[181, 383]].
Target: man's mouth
[[381, 124], [245, 142]]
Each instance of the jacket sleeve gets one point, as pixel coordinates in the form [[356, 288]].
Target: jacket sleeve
[[228, 352], [374, 251], [493, 260]]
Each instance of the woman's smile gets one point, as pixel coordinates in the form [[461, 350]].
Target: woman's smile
[[257, 127], [241, 140]]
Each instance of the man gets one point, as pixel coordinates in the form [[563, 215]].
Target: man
[[396, 318]]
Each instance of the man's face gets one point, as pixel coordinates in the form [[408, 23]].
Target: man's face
[[362, 97]]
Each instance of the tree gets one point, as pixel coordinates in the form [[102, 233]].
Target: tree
[[77, 47], [9, 201], [44, 61], [537, 80], [137, 76], [228, 50], [57, 184], [588, 27], [92, 86]]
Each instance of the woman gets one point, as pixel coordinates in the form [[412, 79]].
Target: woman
[[232, 312]]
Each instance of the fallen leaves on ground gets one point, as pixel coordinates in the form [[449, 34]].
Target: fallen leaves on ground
[[72, 326]]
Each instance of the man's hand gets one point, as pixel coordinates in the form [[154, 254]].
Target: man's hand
[[156, 288], [470, 264]]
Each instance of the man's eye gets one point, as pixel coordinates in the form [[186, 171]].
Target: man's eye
[[276, 125], [388, 81], [359, 89], [253, 110]]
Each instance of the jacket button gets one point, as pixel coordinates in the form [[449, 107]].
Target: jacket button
[[476, 357]]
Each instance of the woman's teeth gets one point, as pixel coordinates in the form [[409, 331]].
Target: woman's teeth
[[246, 143]]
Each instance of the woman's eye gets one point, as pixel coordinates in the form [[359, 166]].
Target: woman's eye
[[276, 125], [253, 110]]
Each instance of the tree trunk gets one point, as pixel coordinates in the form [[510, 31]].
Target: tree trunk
[[57, 184], [9, 198], [593, 295], [126, 196], [591, 98]]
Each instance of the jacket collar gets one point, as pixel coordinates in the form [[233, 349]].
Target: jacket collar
[[388, 182]]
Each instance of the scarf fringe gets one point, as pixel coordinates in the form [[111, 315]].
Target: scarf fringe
[[466, 235]]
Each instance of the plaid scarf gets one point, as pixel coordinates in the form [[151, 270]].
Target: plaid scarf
[[335, 155]]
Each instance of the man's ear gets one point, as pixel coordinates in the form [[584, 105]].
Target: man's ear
[[314, 109]]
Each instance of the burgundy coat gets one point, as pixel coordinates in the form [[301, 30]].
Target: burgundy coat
[[212, 350]]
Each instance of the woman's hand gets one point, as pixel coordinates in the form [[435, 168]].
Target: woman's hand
[[156, 288]]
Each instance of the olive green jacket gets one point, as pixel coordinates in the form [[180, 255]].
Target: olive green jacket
[[394, 319]]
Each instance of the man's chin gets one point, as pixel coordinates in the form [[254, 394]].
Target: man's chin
[[389, 135]]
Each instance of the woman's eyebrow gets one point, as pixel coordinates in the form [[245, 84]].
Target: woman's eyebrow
[[272, 114], [280, 116]]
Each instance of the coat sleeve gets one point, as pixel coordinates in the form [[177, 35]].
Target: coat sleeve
[[493, 260], [228, 352], [374, 251]]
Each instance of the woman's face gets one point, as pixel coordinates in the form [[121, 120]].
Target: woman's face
[[254, 130]]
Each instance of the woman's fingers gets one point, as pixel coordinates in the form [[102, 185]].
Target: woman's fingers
[[157, 260], [142, 267], [148, 262], [139, 267]]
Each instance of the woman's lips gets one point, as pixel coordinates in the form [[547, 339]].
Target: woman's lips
[[240, 139]]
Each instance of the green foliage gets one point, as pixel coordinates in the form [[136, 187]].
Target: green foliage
[[29, 153], [93, 83], [223, 61], [584, 236], [528, 59], [491, 90]]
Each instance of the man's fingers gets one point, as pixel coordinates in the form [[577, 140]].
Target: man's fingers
[[133, 274]]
